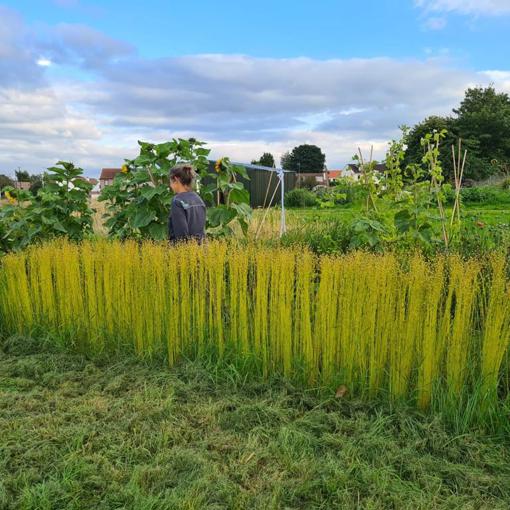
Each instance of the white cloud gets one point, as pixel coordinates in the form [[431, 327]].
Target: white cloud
[[501, 78], [44, 62], [477, 7]]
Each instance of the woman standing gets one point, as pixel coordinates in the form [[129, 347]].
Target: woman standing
[[187, 214]]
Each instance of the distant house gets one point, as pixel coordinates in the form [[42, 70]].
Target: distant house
[[353, 171], [107, 176], [334, 174], [305, 178], [23, 185]]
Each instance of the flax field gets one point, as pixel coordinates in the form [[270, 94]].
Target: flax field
[[430, 332]]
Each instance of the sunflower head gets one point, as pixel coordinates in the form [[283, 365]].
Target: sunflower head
[[217, 165], [10, 198], [124, 169]]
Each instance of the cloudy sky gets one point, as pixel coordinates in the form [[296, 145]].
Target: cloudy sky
[[83, 80]]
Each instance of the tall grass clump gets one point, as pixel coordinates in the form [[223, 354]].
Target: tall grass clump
[[410, 329]]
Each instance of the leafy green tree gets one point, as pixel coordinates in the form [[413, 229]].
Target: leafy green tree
[[36, 185], [5, 180], [285, 161], [482, 121], [306, 159], [415, 151], [267, 159], [484, 116], [22, 175]]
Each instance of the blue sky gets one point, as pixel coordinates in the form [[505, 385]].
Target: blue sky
[[245, 76]]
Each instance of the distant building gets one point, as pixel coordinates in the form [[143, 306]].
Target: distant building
[[107, 176], [23, 185], [334, 174], [305, 178], [353, 171]]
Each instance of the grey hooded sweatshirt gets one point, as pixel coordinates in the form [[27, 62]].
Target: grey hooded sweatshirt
[[187, 218]]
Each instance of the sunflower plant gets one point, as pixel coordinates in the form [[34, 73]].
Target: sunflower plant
[[229, 199], [60, 209], [138, 200]]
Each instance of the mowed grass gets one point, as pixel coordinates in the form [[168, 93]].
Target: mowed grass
[[111, 434]]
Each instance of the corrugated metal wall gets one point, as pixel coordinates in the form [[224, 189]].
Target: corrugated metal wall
[[262, 183]]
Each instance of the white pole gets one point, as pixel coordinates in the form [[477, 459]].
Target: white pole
[[283, 227]]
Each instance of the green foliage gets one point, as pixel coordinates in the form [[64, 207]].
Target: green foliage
[[285, 161], [323, 237], [482, 121], [485, 195], [484, 115], [371, 231], [22, 175], [414, 150], [308, 182], [347, 191], [407, 217], [330, 197], [60, 209], [506, 184], [36, 185], [300, 197], [5, 181], [138, 200], [230, 198], [477, 238], [267, 159], [304, 159]]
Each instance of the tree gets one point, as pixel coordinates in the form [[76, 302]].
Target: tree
[[22, 175], [36, 185], [482, 121], [285, 161], [484, 116], [267, 159], [5, 180], [306, 159], [415, 152]]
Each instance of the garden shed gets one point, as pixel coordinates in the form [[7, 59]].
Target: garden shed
[[262, 178]]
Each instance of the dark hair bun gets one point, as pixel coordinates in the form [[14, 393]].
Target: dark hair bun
[[184, 173]]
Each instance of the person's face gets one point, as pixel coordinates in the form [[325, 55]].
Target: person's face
[[175, 185]]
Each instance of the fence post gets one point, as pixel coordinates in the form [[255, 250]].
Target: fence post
[[283, 227]]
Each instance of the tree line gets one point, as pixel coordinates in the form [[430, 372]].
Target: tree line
[[482, 121]]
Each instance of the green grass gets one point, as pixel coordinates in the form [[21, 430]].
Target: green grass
[[112, 434], [490, 213]]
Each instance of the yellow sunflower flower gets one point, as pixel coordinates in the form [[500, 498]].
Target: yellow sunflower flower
[[217, 166], [10, 198], [124, 169]]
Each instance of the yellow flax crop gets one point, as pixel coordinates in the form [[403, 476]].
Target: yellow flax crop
[[496, 329], [371, 322]]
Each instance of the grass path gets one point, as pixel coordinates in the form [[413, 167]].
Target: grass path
[[76, 434]]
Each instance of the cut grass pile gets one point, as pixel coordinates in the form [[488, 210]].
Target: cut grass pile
[[77, 434]]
